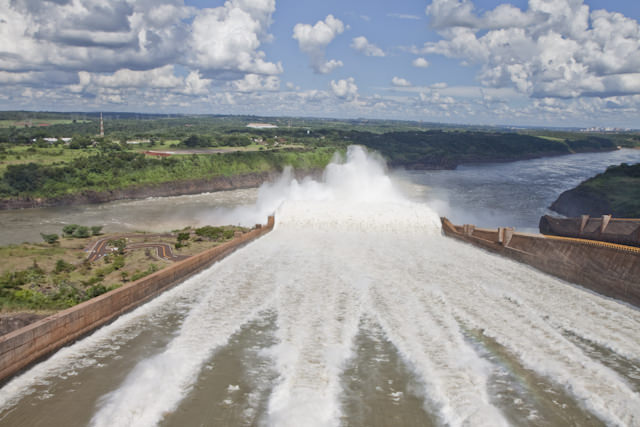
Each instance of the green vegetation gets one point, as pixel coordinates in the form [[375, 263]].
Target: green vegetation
[[140, 274], [50, 238], [103, 172], [616, 192], [439, 149], [215, 233], [215, 146], [53, 277]]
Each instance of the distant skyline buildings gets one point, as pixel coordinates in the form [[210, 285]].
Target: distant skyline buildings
[[566, 63]]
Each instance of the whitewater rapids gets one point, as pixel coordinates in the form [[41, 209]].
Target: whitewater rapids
[[351, 260]]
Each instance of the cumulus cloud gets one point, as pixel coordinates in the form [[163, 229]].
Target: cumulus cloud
[[162, 77], [162, 80], [255, 83], [227, 38], [344, 89], [125, 37], [400, 82], [313, 40], [420, 63], [555, 48], [362, 45]]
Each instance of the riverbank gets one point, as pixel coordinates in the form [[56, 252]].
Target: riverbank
[[166, 189], [615, 192], [255, 179]]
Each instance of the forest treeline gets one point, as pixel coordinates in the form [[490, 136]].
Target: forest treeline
[[119, 170]]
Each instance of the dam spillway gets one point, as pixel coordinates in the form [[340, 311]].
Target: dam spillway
[[354, 310]]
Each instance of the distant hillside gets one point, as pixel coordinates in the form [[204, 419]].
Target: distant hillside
[[615, 192], [437, 149]]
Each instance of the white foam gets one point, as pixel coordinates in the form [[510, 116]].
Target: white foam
[[318, 310], [228, 300]]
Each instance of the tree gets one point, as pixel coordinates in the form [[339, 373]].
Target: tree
[[81, 232], [196, 141], [24, 177], [69, 229], [49, 238], [96, 230]]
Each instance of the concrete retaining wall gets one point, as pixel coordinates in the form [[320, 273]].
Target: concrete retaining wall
[[20, 348], [609, 269]]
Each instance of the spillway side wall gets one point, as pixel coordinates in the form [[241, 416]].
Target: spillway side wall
[[22, 347], [610, 270]]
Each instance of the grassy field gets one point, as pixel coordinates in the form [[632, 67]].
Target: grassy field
[[23, 154]]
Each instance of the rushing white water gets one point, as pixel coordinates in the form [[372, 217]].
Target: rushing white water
[[349, 248]]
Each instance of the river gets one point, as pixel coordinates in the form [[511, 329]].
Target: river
[[356, 311], [512, 194]]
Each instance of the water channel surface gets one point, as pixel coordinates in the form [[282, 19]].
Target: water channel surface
[[356, 311]]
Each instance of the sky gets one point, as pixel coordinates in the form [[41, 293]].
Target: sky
[[556, 63]]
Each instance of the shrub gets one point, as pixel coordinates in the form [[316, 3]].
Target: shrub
[[140, 274], [63, 267], [49, 238], [81, 232], [96, 290], [118, 262], [96, 230], [69, 229], [210, 232]]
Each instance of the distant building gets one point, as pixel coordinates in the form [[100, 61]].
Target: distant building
[[261, 126]]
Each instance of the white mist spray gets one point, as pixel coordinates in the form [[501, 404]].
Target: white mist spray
[[354, 192]]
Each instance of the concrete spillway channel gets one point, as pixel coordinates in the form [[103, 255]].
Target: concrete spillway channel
[[607, 268]]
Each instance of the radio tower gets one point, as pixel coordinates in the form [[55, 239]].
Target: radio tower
[[101, 127]]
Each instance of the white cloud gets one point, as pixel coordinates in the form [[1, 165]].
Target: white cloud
[[255, 83], [404, 16], [227, 38], [553, 49], [362, 45], [399, 81], [313, 41], [103, 37], [344, 89], [194, 84], [162, 77], [147, 83], [420, 63]]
